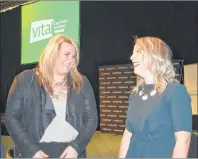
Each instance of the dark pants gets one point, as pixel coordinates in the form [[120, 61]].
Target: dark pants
[[54, 149]]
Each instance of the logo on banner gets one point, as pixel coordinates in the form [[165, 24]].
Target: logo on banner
[[45, 29]]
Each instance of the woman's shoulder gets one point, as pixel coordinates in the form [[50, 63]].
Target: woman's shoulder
[[25, 75], [86, 85], [85, 80], [84, 77], [177, 88]]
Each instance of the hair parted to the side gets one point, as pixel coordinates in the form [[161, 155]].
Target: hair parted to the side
[[159, 62], [47, 60]]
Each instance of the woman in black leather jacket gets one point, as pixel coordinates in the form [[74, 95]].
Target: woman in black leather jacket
[[51, 110]]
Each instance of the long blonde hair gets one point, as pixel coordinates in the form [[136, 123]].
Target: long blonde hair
[[159, 62], [47, 60]]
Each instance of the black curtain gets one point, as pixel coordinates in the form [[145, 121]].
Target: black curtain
[[107, 29], [10, 50]]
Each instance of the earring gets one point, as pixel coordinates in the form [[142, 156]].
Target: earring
[[153, 92], [141, 93], [145, 97]]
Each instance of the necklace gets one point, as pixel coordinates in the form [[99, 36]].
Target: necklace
[[56, 96], [61, 94], [145, 95], [60, 91], [60, 83]]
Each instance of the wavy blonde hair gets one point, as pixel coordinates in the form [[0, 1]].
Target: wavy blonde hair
[[158, 56], [47, 60]]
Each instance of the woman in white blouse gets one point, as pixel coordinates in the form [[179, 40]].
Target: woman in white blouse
[[51, 110]]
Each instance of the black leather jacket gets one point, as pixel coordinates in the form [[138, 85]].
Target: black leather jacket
[[28, 115]]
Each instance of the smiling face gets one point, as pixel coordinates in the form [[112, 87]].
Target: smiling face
[[139, 60], [66, 59]]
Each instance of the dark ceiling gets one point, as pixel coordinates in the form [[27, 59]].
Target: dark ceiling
[[8, 5]]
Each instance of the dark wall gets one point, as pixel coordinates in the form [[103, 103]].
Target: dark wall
[[10, 54], [107, 29], [10, 50], [106, 35]]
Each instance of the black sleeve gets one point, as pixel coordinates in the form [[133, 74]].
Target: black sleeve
[[13, 119], [90, 118]]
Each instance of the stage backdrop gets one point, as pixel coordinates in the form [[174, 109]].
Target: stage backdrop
[[115, 84], [42, 20]]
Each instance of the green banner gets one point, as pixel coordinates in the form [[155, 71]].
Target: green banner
[[41, 20]]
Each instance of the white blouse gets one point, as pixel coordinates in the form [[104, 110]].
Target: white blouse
[[59, 129]]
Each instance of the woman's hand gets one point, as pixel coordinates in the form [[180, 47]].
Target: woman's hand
[[40, 154], [69, 152]]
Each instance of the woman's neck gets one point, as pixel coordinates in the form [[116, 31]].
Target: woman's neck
[[149, 79], [59, 78]]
